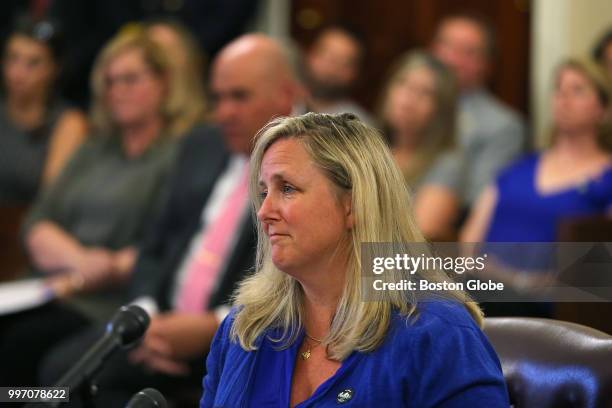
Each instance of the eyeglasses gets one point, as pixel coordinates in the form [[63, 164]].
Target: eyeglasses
[[128, 79]]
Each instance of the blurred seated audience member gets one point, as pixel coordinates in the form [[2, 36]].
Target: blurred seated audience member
[[418, 113], [203, 243], [573, 177], [88, 225], [38, 131], [332, 66], [187, 66], [83, 233], [603, 51], [490, 133]]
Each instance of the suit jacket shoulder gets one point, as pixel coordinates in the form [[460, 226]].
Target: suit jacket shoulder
[[202, 157]]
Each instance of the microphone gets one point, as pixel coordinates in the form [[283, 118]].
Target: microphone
[[147, 398], [125, 328]]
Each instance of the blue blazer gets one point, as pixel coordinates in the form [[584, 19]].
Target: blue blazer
[[439, 358]]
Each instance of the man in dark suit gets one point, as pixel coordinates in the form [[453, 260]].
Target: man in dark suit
[[251, 82]]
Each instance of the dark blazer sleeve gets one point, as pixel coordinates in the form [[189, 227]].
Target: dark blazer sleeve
[[201, 159]]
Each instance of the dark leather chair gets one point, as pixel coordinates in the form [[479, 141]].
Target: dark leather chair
[[551, 363], [593, 228]]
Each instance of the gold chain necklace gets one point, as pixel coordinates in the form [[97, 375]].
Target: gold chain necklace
[[306, 354]]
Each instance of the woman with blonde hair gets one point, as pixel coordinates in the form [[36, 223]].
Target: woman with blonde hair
[[89, 224], [83, 233], [301, 334], [418, 111]]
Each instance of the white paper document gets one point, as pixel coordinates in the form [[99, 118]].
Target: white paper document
[[23, 295]]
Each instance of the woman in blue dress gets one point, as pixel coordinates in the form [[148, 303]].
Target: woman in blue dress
[[571, 178], [301, 333]]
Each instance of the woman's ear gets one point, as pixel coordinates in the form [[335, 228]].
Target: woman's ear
[[347, 203]]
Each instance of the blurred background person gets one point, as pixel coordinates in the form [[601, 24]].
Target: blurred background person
[[602, 52], [135, 143], [332, 66], [490, 133], [419, 116], [571, 178], [38, 130], [85, 230]]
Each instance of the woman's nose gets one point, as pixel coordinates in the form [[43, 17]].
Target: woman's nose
[[266, 211]]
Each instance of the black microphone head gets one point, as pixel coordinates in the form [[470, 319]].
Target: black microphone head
[[129, 324], [147, 398]]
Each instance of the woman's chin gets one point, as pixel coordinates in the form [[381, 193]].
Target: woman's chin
[[281, 260]]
